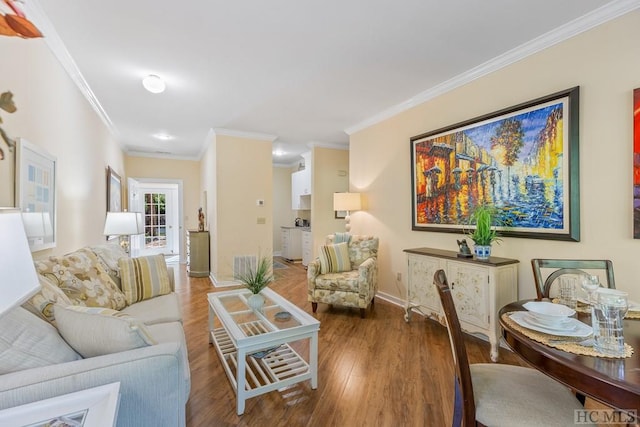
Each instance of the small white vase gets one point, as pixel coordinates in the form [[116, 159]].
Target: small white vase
[[256, 302], [482, 252]]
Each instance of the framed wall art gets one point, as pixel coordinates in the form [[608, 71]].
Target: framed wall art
[[636, 163], [114, 191], [36, 194], [523, 160]]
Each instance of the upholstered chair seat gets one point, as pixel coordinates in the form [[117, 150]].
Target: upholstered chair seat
[[345, 273], [506, 394], [347, 281]]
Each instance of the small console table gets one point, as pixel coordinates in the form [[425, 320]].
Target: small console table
[[479, 289]]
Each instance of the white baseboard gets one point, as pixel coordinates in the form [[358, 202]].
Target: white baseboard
[[223, 283]]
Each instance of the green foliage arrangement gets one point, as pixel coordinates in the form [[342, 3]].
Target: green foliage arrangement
[[259, 278], [485, 218]]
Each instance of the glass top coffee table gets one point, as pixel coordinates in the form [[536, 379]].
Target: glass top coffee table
[[254, 345]]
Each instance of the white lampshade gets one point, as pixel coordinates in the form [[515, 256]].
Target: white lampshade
[[140, 222], [18, 277], [37, 225], [346, 202], [121, 224]]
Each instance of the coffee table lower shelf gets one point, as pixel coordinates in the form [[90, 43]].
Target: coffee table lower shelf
[[280, 368]]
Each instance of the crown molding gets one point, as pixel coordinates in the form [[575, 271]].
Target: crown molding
[[579, 25], [243, 134], [160, 155], [334, 145], [59, 50]]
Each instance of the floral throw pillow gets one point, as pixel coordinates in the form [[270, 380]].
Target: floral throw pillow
[[83, 280], [41, 304]]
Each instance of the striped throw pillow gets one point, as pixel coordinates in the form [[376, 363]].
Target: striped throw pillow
[[95, 331], [144, 277], [334, 258]]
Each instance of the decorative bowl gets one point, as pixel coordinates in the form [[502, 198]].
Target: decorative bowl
[[548, 313]]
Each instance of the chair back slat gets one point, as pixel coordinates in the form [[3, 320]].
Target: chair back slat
[[567, 266], [464, 399]]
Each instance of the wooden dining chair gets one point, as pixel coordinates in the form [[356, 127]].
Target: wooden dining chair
[[567, 266], [493, 394]]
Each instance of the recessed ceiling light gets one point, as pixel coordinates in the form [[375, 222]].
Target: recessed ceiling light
[[163, 136], [153, 83]]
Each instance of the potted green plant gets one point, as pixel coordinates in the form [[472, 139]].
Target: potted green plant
[[256, 279], [485, 218]]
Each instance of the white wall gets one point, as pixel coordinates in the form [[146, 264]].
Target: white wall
[[54, 115], [605, 63]]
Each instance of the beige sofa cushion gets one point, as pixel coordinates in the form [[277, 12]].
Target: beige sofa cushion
[[161, 309], [29, 342], [94, 331], [81, 277]]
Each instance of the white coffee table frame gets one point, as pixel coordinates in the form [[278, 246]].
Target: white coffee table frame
[[278, 369]]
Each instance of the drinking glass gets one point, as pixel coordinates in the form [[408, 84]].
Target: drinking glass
[[590, 284], [568, 291], [607, 314]]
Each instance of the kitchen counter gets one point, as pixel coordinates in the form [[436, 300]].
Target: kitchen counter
[[296, 228]]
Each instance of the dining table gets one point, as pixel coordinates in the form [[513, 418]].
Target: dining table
[[612, 381]]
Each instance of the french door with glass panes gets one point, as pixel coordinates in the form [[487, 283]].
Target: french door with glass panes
[[158, 222]]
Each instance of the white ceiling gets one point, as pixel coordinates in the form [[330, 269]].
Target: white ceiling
[[300, 71]]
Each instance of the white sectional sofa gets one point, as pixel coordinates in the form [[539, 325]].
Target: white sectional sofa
[[42, 343]]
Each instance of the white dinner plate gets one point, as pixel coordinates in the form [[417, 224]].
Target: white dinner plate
[[565, 325], [580, 329]]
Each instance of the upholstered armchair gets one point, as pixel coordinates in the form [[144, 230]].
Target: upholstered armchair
[[345, 273]]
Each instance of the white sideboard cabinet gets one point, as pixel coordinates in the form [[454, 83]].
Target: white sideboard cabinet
[[479, 289]]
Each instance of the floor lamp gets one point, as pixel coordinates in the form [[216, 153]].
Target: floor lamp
[[347, 202]]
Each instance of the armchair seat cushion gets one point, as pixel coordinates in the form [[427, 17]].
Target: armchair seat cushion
[[345, 281]]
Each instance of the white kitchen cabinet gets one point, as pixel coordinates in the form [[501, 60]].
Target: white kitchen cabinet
[[479, 289], [301, 186], [307, 247], [301, 190], [291, 243]]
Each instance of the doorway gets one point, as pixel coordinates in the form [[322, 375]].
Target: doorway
[[161, 204]]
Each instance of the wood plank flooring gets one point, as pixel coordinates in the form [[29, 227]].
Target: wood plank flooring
[[377, 371]]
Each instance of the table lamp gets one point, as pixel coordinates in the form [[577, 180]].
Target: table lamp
[[346, 202], [18, 277], [38, 227], [123, 224]]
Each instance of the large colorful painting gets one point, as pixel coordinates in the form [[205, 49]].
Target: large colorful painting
[[636, 163], [523, 160]]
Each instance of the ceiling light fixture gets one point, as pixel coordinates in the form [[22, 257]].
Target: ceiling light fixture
[[163, 136], [153, 84]]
